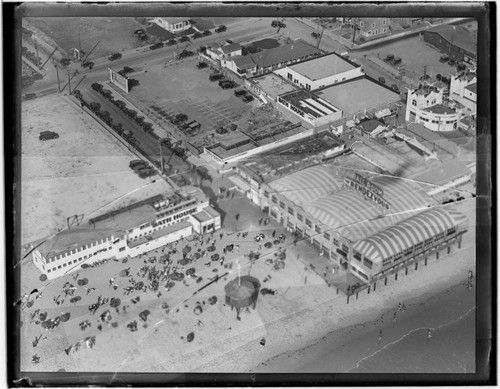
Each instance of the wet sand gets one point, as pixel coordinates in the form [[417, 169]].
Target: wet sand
[[404, 347]]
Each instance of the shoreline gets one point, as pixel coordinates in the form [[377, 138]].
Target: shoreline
[[363, 336]]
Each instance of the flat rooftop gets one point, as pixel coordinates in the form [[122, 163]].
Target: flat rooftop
[[158, 234], [310, 103], [273, 85], [357, 95], [326, 66]]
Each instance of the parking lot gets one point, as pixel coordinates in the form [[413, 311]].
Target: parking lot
[[415, 54], [162, 90]]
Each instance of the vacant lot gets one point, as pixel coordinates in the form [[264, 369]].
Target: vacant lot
[[114, 34], [83, 171]]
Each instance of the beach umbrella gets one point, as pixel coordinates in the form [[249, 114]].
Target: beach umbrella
[[124, 272], [215, 257], [85, 265], [75, 299], [184, 261], [199, 250], [197, 255], [170, 284], [211, 248], [268, 245], [186, 249], [212, 300], [144, 315], [83, 282], [47, 324], [177, 276], [190, 337], [43, 277], [43, 316], [29, 304], [65, 317], [198, 310], [190, 271], [62, 370], [114, 302]]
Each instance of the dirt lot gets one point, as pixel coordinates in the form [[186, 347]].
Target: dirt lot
[[55, 171], [114, 34]]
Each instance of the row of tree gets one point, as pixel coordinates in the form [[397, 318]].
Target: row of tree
[[134, 115]]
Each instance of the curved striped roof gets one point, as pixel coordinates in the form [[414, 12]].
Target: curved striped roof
[[307, 185], [408, 233], [355, 217]]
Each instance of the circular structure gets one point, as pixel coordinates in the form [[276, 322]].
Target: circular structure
[[242, 292]]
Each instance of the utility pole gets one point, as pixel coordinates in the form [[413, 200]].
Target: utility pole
[[161, 156], [69, 83], [354, 30], [36, 49], [58, 82]]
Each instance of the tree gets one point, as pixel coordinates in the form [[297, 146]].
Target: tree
[[139, 119], [120, 104], [439, 77], [147, 127], [97, 87], [131, 113], [95, 107]]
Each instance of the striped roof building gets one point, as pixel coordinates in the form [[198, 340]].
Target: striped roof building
[[409, 233], [307, 185]]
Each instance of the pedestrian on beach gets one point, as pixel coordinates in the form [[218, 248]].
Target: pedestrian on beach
[[429, 333], [394, 318], [380, 336], [471, 275]]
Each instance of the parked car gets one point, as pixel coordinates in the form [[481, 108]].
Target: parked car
[[227, 84], [139, 32], [240, 92], [89, 65], [444, 58], [451, 62], [158, 45], [382, 80], [202, 65], [115, 56], [184, 38], [389, 57], [207, 33], [396, 61], [395, 87], [29, 96], [197, 35], [171, 42], [221, 28], [46, 135], [215, 77], [136, 162]]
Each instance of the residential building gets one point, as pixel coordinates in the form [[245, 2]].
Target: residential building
[[320, 72], [456, 42], [372, 27], [242, 65], [223, 51], [127, 232], [174, 24], [463, 89]]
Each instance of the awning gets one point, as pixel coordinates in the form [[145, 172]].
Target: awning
[[383, 113], [240, 183]]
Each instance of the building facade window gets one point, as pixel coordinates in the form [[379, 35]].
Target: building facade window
[[290, 211], [274, 199], [326, 235], [368, 263], [300, 217], [317, 229], [266, 194], [308, 223], [282, 205]]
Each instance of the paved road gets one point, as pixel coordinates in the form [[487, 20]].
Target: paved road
[[241, 31]]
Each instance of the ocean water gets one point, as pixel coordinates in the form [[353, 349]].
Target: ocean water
[[451, 349]]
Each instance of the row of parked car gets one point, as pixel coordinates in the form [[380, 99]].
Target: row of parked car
[[142, 168]]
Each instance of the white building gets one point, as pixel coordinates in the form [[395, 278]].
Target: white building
[[320, 72], [173, 25], [425, 106], [223, 51], [127, 232], [463, 89]]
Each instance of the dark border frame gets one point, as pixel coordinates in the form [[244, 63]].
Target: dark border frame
[[486, 285]]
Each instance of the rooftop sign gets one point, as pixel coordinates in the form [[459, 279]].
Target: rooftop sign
[[367, 189]]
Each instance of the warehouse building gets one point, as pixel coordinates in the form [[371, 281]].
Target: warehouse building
[[127, 232], [321, 72], [334, 213], [456, 42]]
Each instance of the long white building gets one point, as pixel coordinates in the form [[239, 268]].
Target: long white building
[[127, 232]]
